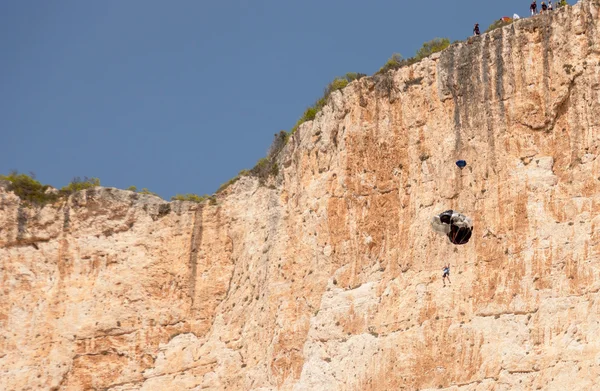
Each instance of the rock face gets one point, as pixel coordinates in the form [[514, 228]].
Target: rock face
[[330, 277]]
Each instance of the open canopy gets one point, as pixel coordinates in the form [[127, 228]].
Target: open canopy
[[456, 226]]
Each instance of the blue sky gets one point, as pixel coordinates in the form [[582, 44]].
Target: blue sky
[[179, 96]]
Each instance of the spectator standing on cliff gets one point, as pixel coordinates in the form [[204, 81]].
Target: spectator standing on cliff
[[476, 29], [544, 7], [533, 8], [550, 8]]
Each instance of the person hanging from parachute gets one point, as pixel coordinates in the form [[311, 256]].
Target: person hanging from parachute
[[457, 227], [446, 274]]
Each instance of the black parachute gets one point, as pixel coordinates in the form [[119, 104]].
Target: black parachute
[[456, 226]]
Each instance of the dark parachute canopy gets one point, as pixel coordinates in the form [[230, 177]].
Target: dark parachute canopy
[[456, 226], [461, 164]]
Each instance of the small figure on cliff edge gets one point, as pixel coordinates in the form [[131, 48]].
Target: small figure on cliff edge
[[550, 8], [476, 29], [446, 274], [533, 8], [544, 7]]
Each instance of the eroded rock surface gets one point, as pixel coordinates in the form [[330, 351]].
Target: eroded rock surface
[[330, 278]]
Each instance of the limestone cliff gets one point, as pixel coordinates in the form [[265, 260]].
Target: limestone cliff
[[329, 278]]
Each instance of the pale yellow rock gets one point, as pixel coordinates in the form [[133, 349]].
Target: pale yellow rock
[[329, 276]]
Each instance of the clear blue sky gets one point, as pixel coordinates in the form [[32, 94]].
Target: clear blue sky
[[179, 96]]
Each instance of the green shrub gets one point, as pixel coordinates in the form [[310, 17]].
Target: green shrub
[[28, 189], [143, 191], [393, 62], [279, 141], [267, 166], [311, 113], [234, 179], [146, 191], [77, 184], [190, 197], [351, 76], [262, 168], [498, 24], [561, 3], [433, 46], [227, 184], [337, 84], [428, 48]]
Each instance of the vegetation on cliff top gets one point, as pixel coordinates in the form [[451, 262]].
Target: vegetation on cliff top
[[29, 189], [337, 84], [143, 191], [78, 184], [427, 49], [498, 24], [32, 191], [194, 198], [267, 166]]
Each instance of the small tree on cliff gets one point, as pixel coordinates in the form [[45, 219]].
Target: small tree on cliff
[[433, 46], [29, 189], [78, 184], [393, 62]]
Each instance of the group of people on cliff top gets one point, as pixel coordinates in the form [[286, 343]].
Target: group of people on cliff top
[[545, 7], [533, 8]]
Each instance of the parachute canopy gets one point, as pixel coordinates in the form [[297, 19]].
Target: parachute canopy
[[461, 164], [456, 226]]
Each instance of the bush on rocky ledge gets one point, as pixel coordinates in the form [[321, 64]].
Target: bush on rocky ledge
[[30, 190]]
